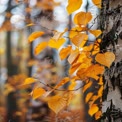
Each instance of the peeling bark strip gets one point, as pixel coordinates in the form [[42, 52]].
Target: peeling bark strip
[[111, 25]]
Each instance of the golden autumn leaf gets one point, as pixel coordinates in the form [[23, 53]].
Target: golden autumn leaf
[[31, 24], [37, 92], [74, 67], [58, 35], [73, 56], [100, 91], [92, 71], [65, 52], [82, 18], [105, 59], [57, 103], [73, 5], [97, 3], [96, 47], [40, 47], [72, 84], [100, 81], [93, 109], [96, 33], [88, 48], [80, 39], [56, 44], [98, 115], [29, 80], [88, 96], [87, 86], [93, 99], [35, 35], [62, 82]]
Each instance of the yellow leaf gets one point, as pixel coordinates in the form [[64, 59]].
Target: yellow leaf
[[92, 71], [96, 47], [65, 52], [88, 48], [96, 33], [73, 5], [100, 91], [93, 99], [56, 44], [97, 3], [31, 24], [35, 35], [72, 84], [98, 115], [87, 86], [105, 59], [100, 81], [40, 47], [57, 103], [29, 81], [82, 18], [80, 39], [73, 56], [38, 92], [62, 82], [93, 109], [74, 67], [88, 97]]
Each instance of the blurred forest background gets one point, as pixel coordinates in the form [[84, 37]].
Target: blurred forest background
[[17, 60]]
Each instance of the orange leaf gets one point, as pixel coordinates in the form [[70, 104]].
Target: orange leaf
[[100, 91], [73, 56], [92, 71], [105, 59], [37, 92], [57, 103], [35, 35], [98, 115], [73, 5], [40, 47], [80, 39], [93, 109], [56, 44], [96, 33], [29, 81], [82, 18], [87, 86], [93, 99], [65, 52], [72, 84], [100, 81], [74, 67], [97, 3], [88, 96], [62, 82], [88, 48]]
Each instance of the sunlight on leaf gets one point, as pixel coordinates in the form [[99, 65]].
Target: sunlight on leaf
[[105, 59], [73, 5], [37, 92], [93, 109], [35, 35], [40, 47], [65, 52], [72, 84], [73, 56]]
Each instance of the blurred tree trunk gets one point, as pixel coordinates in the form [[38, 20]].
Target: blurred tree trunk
[[11, 67]]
